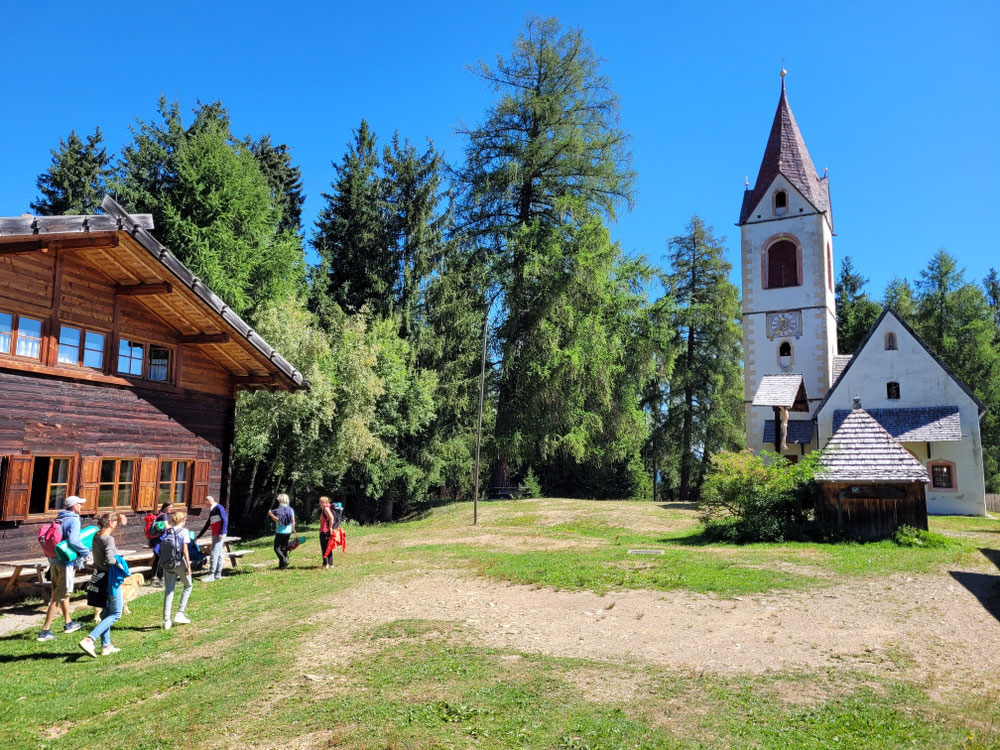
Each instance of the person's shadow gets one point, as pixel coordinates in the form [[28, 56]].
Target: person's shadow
[[985, 587]]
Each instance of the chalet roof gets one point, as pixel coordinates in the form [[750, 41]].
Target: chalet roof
[[119, 245], [798, 431], [779, 390], [786, 154], [922, 424], [862, 451], [923, 344]]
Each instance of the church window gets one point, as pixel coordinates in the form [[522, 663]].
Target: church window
[[891, 344], [892, 390], [780, 203], [782, 264], [785, 355], [943, 475]]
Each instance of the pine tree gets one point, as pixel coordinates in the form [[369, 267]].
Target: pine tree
[[550, 151], [706, 400], [283, 177], [76, 181], [856, 312]]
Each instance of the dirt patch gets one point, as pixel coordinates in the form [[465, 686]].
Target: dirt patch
[[602, 686]]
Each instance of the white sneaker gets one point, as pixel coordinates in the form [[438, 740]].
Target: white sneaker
[[209, 579], [109, 649], [166, 624], [181, 619]]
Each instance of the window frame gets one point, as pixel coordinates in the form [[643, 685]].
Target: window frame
[[765, 260], [147, 346], [775, 208], [81, 347], [952, 474], [49, 511], [15, 335], [117, 483], [172, 484]]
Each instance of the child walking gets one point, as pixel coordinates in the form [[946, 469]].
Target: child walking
[[176, 563], [284, 517], [104, 559]]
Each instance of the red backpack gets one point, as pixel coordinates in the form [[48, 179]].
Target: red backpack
[[49, 536]]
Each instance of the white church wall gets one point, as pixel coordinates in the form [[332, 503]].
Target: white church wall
[[922, 382]]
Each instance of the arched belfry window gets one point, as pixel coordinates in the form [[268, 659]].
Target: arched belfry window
[[891, 344], [782, 264], [780, 203], [785, 355]]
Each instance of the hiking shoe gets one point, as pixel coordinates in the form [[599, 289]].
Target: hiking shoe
[[166, 624], [109, 649], [45, 635], [88, 646], [181, 619], [72, 627]]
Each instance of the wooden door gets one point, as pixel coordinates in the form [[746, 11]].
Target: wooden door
[[145, 499], [199, 487], [90, 475], [17, 488]]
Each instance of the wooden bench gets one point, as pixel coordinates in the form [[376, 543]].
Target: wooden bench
[[507, 493]]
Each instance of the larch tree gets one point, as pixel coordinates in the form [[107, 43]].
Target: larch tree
[[549, 151], [705, 402], [76, 181]]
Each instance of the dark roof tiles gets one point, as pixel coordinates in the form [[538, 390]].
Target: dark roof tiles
[[799, 431], [777, 390], [862, 451], [921, 424]]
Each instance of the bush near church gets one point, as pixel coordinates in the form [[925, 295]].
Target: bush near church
[[758, 498]]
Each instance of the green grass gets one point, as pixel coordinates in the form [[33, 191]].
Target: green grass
[[228, 679]]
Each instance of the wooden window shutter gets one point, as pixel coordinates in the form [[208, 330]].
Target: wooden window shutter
[[199, 488], [90, 475], [145, 498], [17, 487]]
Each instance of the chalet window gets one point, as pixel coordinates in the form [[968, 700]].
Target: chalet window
[[782, 265], [159, 364], [49, 484], [115, 487], [6, 332], [892, 390], [20, 336], [78, 347], [174, 477], [130, 356], [780, 203], [943, 475]]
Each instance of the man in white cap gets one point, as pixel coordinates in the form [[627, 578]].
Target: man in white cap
[[62, 574]]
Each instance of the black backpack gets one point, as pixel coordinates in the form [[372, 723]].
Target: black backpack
[[172, 549]]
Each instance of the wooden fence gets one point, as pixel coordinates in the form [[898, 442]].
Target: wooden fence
[[993, 503]]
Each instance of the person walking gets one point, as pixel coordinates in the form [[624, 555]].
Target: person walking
[[218, 522], [105, 552], [284, 517], [154, 534], [327, 523], [63, 574], [176, 564]]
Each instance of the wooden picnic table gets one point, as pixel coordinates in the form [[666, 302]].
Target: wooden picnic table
[[227, 547], [38, 564]]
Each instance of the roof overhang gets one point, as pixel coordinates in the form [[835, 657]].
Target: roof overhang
[[782, 391]]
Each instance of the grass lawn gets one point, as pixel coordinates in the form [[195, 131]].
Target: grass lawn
[[270, 659]]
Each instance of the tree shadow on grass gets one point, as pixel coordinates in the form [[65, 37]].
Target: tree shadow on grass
[[43, 655], [983, 586]]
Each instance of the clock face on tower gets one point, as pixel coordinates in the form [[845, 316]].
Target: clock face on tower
[[783, 324]]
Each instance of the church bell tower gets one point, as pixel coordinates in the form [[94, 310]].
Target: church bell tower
[[789, 313]]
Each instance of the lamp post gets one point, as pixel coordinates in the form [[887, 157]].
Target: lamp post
[[479, 419]]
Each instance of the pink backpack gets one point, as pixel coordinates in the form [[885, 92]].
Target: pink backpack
[[49, 536]]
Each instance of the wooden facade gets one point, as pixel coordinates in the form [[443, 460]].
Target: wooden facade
[[872, 511], [118, 370]]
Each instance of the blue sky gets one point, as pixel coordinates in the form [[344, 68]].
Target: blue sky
[[899, 99]]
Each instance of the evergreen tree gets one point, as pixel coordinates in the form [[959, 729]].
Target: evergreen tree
[[284, 179], [899, 297], [76, 181], [991, 285], [856, 312], [351, 237], [706, 396], [550, 151]]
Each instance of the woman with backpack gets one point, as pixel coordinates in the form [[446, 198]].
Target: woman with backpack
[[176, 564], [104, 552], [155, 527], [284, 518]]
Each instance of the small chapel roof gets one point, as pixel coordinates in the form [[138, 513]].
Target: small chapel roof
[[786, 154], [785, 391], [921, 424], [862, 451]]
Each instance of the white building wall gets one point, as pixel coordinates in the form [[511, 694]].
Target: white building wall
[[813, 350], [922, 382]]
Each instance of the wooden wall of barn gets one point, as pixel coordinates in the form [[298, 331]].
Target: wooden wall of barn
[[872, 511]]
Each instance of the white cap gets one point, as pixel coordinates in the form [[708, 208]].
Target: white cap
[[72, 500]]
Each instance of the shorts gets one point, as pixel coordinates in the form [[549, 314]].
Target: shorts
[[63, 578]]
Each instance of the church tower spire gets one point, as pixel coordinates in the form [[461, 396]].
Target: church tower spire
[[789, 312]]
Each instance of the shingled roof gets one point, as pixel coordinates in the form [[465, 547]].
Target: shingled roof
[[798, 432], [786, 154], [779, 390], [922, 424], [862, 451]]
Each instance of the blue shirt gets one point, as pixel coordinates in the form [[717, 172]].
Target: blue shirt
[[286, 517]]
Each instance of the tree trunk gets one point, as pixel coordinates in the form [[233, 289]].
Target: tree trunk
[[385, 508], [685, 488]]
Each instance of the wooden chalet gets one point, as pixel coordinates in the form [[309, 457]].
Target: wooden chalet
[[118, 370]]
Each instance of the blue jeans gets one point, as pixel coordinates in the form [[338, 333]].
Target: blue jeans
[[111, 614], [216, 565]]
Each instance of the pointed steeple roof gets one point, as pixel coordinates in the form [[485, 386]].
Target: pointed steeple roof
[[786, 154]]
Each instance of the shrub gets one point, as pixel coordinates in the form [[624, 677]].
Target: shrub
[[908, 536], [532, 487], [758, 498]]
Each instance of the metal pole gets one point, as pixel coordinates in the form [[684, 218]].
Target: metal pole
[[479, 420]]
